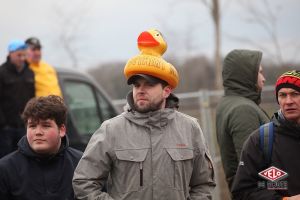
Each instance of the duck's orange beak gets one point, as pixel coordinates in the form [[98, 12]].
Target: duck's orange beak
[[147, 40]]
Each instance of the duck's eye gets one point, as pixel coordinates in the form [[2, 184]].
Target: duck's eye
[[157, 34], [160, 34]]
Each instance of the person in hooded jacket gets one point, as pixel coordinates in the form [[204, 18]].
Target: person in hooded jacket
[[250, 181], [42, 168], [150, 151], [238, 113]]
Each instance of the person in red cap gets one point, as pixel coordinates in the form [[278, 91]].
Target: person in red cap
[[42, 167], [16, 88], [269, 164]]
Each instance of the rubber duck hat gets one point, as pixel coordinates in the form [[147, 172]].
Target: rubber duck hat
[[149, 63]]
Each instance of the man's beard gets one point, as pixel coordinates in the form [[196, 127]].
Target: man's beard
[[154, 106]]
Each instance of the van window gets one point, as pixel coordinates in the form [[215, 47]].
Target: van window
[[107, 111], [87, 109]]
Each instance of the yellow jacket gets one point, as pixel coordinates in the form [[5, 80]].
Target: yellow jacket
[[46, 82]]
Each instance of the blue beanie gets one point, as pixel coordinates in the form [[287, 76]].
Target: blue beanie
[[16, 45]]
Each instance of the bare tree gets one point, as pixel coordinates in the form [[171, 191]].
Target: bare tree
[[182, 39], [264, 16], [71, 26], [215, 12]]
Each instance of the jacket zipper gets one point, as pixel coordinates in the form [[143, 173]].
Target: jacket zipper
[[141, 173]]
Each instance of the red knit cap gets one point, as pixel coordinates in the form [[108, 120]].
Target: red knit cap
[[290, 79]]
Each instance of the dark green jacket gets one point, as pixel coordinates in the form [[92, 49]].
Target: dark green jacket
[[238, 113]]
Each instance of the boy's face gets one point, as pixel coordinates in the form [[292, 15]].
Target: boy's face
[[44, 136]]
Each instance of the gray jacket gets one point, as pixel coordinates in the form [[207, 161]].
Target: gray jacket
[[158, 155]]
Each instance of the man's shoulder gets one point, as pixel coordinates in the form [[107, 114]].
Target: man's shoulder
[[233, 99], [46, 65], [253, 139], [3, 67], [237, 102], [74, 152], [114, 121], [186, 117], [43, 62]]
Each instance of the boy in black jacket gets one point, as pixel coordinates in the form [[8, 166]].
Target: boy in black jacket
[[42, 167]]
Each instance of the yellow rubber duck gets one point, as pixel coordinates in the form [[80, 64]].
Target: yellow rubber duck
[[151, 42], [152, 46]]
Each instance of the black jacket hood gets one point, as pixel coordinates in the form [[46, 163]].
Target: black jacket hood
[[24, 148], [240, 71]]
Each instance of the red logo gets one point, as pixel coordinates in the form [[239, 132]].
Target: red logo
[[181, 145], [273, 174]]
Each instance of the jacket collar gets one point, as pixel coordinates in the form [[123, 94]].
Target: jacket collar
[[158, 118], [171, 102], [24, 148], [12, 67], [285, 126]]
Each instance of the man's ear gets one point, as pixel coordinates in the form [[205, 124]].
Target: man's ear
[[167, 91], [62, 131]]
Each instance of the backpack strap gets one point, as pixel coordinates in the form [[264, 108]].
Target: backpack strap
[[266, 139]]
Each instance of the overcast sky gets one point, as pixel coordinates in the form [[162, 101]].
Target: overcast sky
[[106, 30]]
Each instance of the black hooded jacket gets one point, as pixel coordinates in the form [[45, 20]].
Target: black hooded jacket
[[285, 156], [16, 88], [25, 175]]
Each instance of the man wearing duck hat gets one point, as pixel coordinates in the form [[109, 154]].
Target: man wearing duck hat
[[16, 88], [150, 151], [269, 164]]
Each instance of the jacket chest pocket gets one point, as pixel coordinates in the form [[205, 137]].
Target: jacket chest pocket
[[181, 162], [128, 171]]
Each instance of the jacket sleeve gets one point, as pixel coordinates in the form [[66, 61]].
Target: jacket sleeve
[[202, 179], [246, 183], [93, 168], [244, 120]]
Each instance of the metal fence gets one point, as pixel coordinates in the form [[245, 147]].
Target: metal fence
[[202, 105]]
